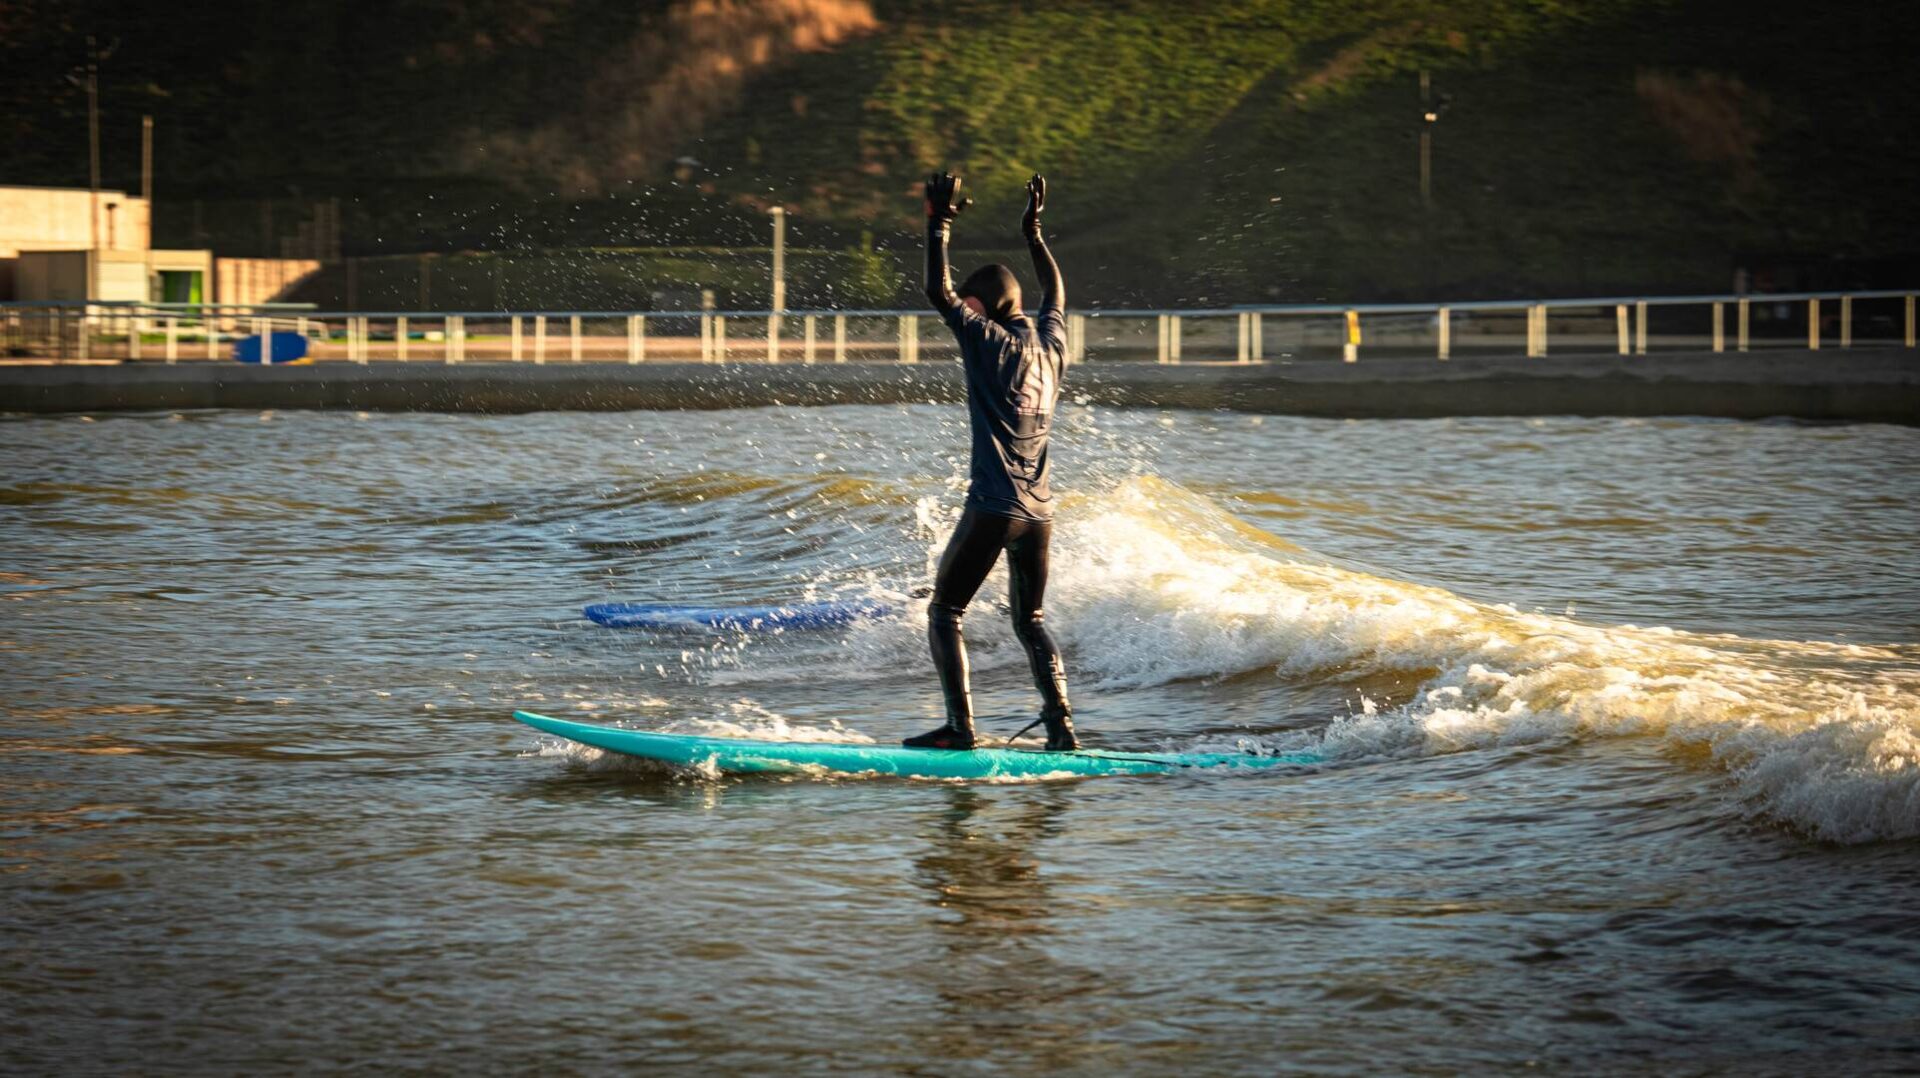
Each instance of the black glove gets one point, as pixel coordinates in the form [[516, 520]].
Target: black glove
[[944, 200], [1036, 201]]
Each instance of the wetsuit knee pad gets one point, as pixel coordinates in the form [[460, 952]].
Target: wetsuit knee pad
[[940, 616]]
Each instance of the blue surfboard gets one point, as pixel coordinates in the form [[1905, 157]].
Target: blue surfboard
[[733, 755], [821, 615]]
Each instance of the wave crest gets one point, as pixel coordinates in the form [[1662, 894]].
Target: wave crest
[[1155, 584]]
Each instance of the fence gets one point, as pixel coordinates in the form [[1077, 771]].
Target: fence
[[1639, 325]]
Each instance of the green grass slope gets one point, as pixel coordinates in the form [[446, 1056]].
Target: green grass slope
[[1259, 151]]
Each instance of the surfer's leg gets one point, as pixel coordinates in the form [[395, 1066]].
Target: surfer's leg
[[969, 556], [1027, 545]]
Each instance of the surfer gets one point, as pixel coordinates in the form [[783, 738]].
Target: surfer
[[1013, 368]]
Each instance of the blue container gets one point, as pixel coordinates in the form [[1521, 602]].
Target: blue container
[[281, 348]]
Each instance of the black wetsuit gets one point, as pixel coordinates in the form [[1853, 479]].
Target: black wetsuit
[[1013, 366]]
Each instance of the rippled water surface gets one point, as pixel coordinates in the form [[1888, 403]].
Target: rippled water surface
[[1622, 721]]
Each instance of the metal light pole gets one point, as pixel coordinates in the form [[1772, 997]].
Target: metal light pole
[[146, 195], [1430, 111], [93, 138], [779, 214], [1428, 117], [88, 79]]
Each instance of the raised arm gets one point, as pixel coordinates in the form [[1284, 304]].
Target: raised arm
[[944, 203], [1053, 289]]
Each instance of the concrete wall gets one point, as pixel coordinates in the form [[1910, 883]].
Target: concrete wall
[[55, 219], [259, 280], [1880, 385]]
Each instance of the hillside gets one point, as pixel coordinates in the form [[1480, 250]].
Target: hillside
[[1269, 151], [1200, 152]]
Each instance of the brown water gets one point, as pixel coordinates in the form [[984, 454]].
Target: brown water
[[1623, 719]]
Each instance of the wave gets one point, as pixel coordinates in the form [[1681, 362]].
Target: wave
[[1153, 583]]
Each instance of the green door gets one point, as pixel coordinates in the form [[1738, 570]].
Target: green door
[[180, 286]]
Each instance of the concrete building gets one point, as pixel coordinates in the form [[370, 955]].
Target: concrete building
[[68, 244]]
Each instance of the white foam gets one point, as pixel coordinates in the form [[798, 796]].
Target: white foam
[[1156, 584], [745, 718]]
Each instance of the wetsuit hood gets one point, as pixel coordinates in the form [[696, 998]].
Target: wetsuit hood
[[997, 289]]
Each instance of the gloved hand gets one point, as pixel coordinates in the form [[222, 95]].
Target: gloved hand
[[1036, 201], [944, 200]]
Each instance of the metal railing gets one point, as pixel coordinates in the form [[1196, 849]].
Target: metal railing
[[1281, 333]]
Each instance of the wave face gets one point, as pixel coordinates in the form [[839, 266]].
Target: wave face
[[1156, 583]]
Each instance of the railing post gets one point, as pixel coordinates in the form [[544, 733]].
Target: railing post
[[1910, 327], [1077, 341], [173, 338], [1620, 326], [1719, 326], [1160, 339], [212, 341], [573, 340], [1846, 321], [720, 338], [1259, 338], [539, 338], [1813, 325], [1244, 336], [1173, 339], [1446, 333], [1740, 320], [839, 338], [366, 339], [513, 346], [1640, 327], [401, 341], [636, 338], [901, 333], [808, 328], [1350, 351], [457, 338], [773, 338]]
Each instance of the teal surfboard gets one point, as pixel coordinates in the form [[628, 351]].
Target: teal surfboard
[[734, 755]]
